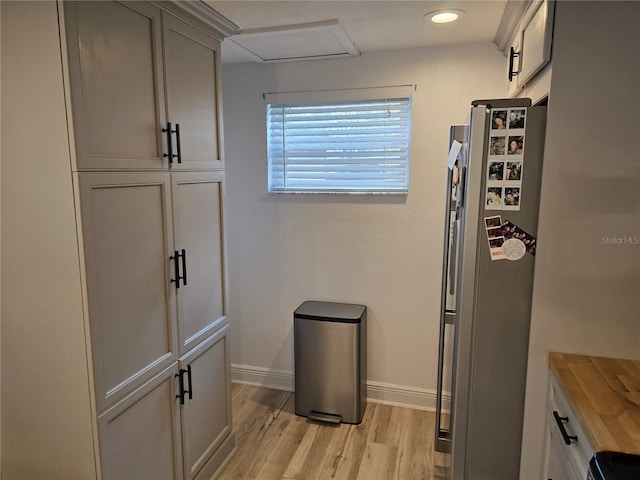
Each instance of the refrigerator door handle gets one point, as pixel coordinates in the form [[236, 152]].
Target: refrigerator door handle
[[443, 432], [461, 191], [451, 280]]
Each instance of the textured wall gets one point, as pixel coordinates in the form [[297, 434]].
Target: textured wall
[[586, 292], [46, 424], [381, 251]]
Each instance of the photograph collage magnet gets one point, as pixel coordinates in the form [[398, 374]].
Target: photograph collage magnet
[[495, 236], [505, 159], [506, 240]]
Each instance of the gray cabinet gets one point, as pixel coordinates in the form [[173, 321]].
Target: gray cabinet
[[128, 238], [145, 101], [177, 425], [206, 411], [529, 48], [92, 308], [535, 44], [140, 436], [145, 88], [154, 262], [117, 87], [193, 93], [198, 221], [564, 461]]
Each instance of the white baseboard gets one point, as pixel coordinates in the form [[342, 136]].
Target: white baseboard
[[377, 392], [262, 377]]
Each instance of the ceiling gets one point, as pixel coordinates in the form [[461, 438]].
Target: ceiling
[[369, 25]]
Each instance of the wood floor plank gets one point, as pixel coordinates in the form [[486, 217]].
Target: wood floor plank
[[379, 462], [387, 425], [283, 450], [296, 465], [273, 443], [280, 420], [415, 458], [347, 467], [256, 408], [334, 453], [309, 464], [255, 424]]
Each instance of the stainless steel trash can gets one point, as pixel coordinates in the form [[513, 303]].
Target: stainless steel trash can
[[330, 361]]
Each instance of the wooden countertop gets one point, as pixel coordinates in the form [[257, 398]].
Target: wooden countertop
[[604, 393]]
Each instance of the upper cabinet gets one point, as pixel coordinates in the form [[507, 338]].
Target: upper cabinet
[[145, 90], [525, 35], [535, 44], [193, 97], [117, 89]]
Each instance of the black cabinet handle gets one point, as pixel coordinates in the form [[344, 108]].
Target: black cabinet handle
[[181, 393], [184, 267], [176, 268], [178, 148], [560, 421], [169, 132], [512, 54], [190, 391], [181, 388]]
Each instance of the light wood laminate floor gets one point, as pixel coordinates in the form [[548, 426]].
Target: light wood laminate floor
[[391, 443]]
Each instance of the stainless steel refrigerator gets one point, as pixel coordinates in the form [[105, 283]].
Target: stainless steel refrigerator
[[492, 198]]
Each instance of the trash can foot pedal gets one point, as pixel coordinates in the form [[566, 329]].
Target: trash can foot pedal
[[324, 417]]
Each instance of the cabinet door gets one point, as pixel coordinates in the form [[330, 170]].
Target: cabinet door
[[554, 469], [140, 436], [126, 227], [197, 209], [114, 53], [535, 49], [559, 459], [193, 95], [206, 417]]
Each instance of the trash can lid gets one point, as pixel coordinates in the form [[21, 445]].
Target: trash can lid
[[332, 312]]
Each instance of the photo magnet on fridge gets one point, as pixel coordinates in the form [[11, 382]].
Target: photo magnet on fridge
[[509, 230], [495, 237]]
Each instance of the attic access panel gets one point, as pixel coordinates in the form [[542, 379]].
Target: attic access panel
[[304, 41]]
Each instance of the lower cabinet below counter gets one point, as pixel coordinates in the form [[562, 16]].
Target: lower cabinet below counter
[[178, 424], [567, 450]]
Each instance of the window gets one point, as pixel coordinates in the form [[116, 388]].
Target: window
[[346, 141]]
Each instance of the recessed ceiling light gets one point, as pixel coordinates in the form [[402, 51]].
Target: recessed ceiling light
[[444, 16]]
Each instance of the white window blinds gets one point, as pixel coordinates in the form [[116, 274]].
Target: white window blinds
[[347, 141]]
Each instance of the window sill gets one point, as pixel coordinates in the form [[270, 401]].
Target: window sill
[[321, 192]]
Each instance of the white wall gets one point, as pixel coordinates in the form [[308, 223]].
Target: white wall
[[46, 428], [587, 293], [381, 251]]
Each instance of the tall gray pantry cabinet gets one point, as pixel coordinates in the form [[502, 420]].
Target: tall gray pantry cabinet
[[145, 103]]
